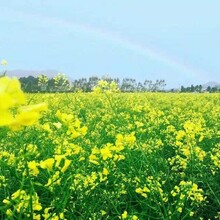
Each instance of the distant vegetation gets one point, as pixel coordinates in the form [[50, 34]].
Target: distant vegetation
[[200, 88], [60, 83]]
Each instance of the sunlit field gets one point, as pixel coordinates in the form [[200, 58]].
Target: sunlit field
[[107, 155]]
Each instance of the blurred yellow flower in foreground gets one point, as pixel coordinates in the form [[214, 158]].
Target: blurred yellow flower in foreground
[[11, 97], [10, 93]]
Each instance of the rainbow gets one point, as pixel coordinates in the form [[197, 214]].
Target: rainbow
[[144, 50]]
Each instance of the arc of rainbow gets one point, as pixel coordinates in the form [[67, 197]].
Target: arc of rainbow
[[144, 50]]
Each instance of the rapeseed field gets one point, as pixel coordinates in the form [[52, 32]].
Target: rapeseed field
[[108, 155]]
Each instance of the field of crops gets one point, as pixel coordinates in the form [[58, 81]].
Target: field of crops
[[108, 155]]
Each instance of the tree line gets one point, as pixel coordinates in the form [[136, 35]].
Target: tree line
[[60, 83], [199, 88]]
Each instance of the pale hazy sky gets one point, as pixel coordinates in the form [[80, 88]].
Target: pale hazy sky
[[178, 41]]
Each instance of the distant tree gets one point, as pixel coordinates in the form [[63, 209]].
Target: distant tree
[[92, 82], [192, 88], [162, 84], [158, 85], [148, 85], [208, 88], [128, 85], [29, 84], [182, 89], [80, 85], [198, 88], [214, 89], [140, 87], [51, 85], [107, 78]]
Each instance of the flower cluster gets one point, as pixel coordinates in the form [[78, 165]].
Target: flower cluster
[[108, 156], [106, 87], [11, 99]]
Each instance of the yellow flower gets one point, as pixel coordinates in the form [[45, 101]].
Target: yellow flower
[[46, 214], [36, 205], [42, 80], [6, 201], [105, 171], [46, 127], [191, 213], [124, 215], [58, 125], [17, 194], [139, 190], [47, 164], [6, 118], [134, 217], [145, 189], [105, 86], [10, 93], [180, 209], [36, 216], [93, 159], [103, 212], [32, 165], [66, 165], [58, 159], [61, 215], [28, 115], [34, 108], [106, 153], [4, 62], [9, 212], [12, 96], [54, 180]]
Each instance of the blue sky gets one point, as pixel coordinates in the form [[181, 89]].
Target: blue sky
[[178, 41]]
